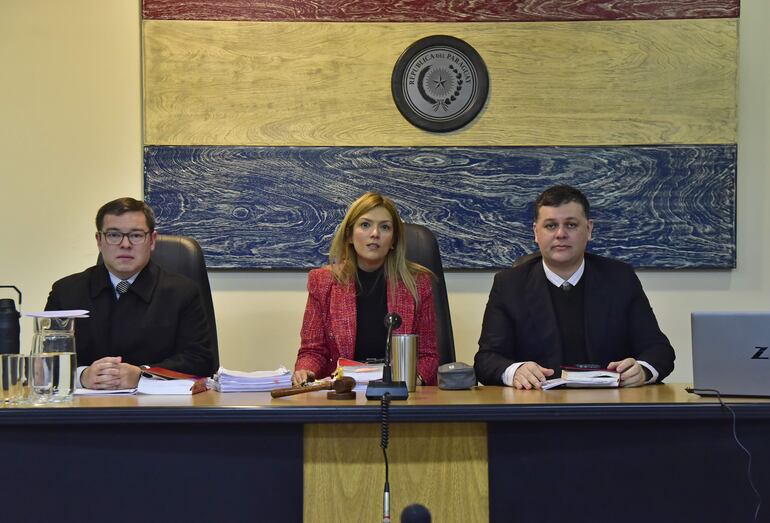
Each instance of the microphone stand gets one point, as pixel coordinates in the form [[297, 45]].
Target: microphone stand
[[397, 389]]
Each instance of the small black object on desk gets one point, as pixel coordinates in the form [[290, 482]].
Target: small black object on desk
[[397, 389]]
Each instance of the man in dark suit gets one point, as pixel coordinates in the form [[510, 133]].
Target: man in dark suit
[[565, 307], [139, 313]]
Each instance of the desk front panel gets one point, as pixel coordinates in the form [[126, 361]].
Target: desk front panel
[[636, 471], [442, 466], [151, 472], [204, 455]]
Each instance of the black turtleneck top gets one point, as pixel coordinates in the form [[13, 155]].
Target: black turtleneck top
[[371, 309]]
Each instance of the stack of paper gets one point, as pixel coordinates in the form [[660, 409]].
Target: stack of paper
[[257, 381], [80, 391], [584, 378], [76, 313], [363, 373], [157, 386], [146, 386]]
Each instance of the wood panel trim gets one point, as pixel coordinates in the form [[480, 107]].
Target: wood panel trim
[[442, 466], [437, 11], [551, 83], [278, 207]]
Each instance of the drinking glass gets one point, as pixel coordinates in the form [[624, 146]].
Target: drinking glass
[[41, 378], [13, 379]]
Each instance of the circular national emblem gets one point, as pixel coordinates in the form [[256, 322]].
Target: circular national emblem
[[440, 83]]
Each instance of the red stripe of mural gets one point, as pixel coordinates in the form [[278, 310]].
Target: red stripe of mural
[[437, 10]]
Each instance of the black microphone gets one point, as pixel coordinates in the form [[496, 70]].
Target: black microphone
[[397, 390], [392, 321], [416, 514]]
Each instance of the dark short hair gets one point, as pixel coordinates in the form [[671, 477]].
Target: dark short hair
[[559, 195], [124, 205]]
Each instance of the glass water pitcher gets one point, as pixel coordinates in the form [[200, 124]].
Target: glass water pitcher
[[52, 361]]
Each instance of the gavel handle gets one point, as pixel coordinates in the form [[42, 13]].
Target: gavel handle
[[280, 393]]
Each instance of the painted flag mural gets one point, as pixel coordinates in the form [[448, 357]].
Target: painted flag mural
[[264, 120]]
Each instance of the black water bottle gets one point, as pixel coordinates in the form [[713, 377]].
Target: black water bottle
[[9, 324]]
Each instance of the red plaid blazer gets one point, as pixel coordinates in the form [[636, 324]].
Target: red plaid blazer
[[329, 327]]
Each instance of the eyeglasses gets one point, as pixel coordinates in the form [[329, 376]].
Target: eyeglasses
[[116, 237]]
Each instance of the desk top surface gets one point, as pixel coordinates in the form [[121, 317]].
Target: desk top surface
[[425, 404]]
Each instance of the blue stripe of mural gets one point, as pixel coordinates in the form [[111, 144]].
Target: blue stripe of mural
[[277, 207]]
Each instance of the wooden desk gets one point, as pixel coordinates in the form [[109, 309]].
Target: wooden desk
[[492, 453]]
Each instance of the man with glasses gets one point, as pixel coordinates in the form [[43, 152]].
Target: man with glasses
[[140, 314]]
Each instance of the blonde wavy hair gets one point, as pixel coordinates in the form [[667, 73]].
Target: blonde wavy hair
[[344, 260]]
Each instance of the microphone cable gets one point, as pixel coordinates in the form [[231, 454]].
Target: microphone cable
[[757, 495], [384, 433]]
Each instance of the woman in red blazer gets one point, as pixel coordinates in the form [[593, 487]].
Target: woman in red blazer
[[368, 276]]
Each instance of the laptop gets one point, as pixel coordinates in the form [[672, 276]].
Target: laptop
[[730, 352]]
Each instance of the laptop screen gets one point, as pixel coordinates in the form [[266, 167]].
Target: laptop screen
[[730, 352]]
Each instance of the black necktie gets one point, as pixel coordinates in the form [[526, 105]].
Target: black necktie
[[566, 286], [122, 287]]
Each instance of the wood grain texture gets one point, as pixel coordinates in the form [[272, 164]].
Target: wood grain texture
[[278, 207], [442, 466], [437, 10], [551, 83], [215, 407]]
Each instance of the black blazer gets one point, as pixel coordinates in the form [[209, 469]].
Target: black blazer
[[159, 321], [520, 322]]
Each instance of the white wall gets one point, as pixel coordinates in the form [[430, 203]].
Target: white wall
[[70, 133], [70, 140]]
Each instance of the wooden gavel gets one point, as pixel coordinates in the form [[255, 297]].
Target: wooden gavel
[[341, 385]]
